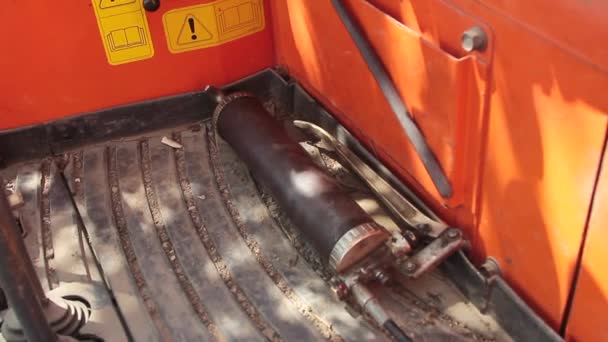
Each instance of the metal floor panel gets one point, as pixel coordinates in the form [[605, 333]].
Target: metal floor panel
[[188, 247]]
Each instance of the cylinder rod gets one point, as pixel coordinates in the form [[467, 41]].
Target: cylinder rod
[[17, 278]]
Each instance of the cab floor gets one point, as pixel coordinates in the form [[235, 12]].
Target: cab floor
[[185, 248]]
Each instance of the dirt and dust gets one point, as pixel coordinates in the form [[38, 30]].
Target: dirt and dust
[[216, 258], [125, 242], [167, 245], [325, 329]]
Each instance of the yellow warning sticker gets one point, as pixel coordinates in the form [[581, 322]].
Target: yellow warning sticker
[[212, 24], [124, 30]]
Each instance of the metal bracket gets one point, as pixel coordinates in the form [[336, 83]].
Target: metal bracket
[[491, 271], [433, 254]]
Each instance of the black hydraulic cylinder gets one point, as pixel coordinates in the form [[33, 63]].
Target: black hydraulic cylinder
[[17, 278], [312, 199]]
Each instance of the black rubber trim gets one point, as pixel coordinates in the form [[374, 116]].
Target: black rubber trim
[[64, 134], [57, 136], [395, 101]]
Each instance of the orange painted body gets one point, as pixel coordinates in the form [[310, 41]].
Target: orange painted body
[[53, 63], [589, 321], [519, 128]]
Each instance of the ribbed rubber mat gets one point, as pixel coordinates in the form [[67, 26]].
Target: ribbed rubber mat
[[188, 247]]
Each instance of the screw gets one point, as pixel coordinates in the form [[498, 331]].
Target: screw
[[453, 233], [410, 266], [474, 39]]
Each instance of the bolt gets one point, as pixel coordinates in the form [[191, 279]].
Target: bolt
[[382, 276], [410, 266], [453, 233], [474, 39], [490, 267]]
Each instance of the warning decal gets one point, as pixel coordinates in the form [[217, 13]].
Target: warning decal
[[194, 31], [212, 24], [124, 30]]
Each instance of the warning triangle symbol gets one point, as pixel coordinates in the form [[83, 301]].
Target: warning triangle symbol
[[193, 31]]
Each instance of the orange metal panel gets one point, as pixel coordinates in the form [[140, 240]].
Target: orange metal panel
[[324, 63], [53, 63], [546, 130], [589, 316], [519, 128], [570, 24]]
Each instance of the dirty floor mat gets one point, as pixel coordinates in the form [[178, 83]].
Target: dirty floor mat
[[184, 248]]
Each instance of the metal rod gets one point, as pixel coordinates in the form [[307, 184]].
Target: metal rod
[[22, 290], [405, 213], [395, 101]]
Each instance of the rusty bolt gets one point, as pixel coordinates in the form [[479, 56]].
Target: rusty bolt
[[490, 267], [453, 233], [474, 39]]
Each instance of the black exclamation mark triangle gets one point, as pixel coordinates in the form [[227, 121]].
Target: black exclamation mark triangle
[[191, 24], [193, 31]]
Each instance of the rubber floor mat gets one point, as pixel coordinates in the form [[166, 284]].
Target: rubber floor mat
[[187, 247]]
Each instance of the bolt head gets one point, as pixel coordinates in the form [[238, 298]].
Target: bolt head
[[453, 233], [474, 39], [490, 267]]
